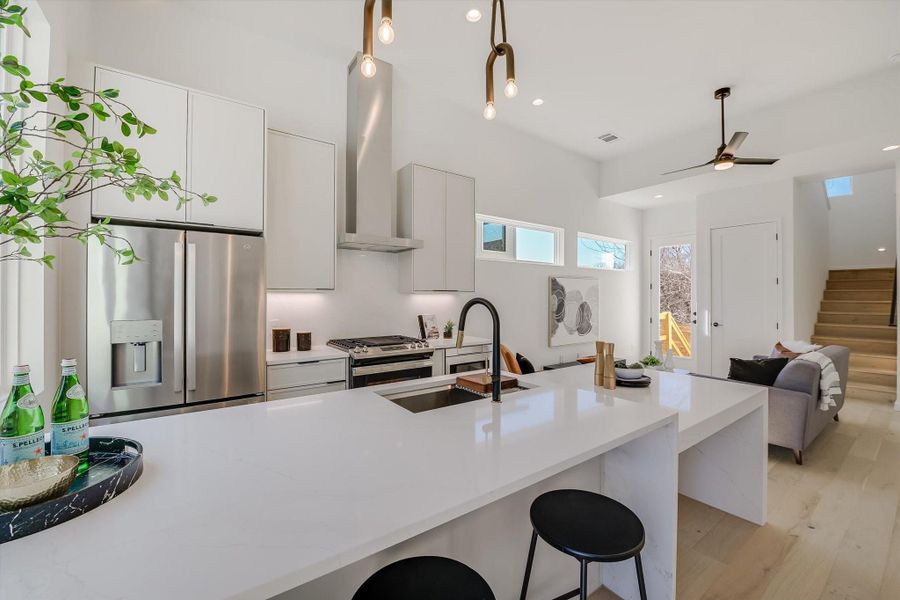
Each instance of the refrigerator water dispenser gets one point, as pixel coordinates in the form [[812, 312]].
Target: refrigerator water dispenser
[[136, 353]]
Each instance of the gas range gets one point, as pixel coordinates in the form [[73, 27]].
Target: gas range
[[382, 347]]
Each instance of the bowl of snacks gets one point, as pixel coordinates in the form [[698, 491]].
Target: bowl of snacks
[[629, 371]]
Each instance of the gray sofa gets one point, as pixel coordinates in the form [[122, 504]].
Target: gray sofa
[[794, 416]]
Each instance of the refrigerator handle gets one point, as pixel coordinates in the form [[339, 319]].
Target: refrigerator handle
[[191, 318], [178, 325]]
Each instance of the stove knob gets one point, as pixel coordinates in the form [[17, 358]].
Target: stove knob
[[409, 346], [357, 349], [365, 348]]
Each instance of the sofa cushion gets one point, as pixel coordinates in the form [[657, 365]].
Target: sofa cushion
[[763, 371], [524, 364]]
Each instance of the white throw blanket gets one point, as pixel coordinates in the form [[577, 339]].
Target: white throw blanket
[[829, 381]]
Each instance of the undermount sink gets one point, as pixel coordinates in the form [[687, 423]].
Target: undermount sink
[[433, 397]]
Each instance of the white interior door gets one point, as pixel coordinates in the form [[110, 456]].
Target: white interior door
[[673, 297], [745, 293]]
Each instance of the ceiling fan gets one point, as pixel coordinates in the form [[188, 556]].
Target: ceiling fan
[[725, 158]]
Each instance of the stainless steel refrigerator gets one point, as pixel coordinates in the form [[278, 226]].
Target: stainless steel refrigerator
[[181, 327]]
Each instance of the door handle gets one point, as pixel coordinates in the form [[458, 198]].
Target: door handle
[[716, 324], [178, 321], [190, 334]]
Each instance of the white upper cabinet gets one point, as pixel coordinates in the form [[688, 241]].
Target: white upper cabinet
[[460, 233], [227, 160], [165, 108], [300, 216], [438, 208], [217, 146]]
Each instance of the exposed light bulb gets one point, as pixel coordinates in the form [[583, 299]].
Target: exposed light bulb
[[473, 16], [367, 67], [386, 31], [723, 164], [511, 89], [489, 111], [891, 147]]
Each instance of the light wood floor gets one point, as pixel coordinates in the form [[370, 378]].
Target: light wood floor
[[833, 530]]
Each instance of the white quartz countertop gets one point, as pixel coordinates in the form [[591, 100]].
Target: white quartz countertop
[[251, 501], [705, 406], [315, 354]]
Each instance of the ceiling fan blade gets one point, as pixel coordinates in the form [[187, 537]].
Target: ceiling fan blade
[[736, 140], [755, 161], [706, 164]]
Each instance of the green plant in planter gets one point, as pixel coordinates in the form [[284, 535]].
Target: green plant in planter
[[34, 188], [448, 329]]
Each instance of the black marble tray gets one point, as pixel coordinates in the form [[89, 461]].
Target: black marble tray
[[639, 382], [113, 465]]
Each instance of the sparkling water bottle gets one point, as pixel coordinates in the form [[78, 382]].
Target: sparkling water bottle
[[22, 421], [69, 416]]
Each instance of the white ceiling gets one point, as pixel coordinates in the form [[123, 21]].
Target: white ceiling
[[645, 70]]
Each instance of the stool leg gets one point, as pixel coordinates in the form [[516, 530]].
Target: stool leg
[[640, 576], [584, 583], [528, 565]]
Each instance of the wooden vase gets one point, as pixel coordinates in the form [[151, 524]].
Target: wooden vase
[[609, 368], [599, 364]]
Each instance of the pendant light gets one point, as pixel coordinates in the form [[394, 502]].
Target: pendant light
[[385, 34], [503, 49]]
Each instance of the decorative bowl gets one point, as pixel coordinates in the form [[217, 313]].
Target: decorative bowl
[[35, 480], [629, 373]]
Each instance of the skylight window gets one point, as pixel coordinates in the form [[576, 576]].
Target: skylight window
[[839, 186]]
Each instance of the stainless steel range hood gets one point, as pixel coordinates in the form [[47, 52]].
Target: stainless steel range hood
[[371, 213]]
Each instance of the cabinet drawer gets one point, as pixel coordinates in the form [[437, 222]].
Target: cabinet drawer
[[301, 374], [297, 392]]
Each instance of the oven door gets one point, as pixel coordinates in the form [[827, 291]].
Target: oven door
[[367, 374], [467, 362]]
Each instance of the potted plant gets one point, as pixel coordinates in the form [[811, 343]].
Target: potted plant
[[448, 330], [34, 189]]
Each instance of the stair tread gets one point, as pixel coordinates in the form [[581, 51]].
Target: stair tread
[[873, 387], [848, 312], [873, 355], [852, 338], [872, 370], [856, 325]]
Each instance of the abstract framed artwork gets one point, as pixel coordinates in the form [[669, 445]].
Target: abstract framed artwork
[[574, 306]]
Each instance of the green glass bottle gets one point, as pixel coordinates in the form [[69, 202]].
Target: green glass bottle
[[69, 416], [22, 421]]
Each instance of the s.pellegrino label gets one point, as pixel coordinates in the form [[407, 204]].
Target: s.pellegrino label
[[69, 423], [21, 421], [69, 438]]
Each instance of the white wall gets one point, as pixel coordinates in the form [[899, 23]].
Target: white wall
[[811, 249], [862, 223], [304, 91], [751, 204]]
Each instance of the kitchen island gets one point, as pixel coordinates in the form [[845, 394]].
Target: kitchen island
[[306, 497]]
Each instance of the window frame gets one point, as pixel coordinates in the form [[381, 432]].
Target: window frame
[[629, 246], [509, 255]]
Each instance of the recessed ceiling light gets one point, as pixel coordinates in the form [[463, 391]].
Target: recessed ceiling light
[[473, 16], [882, 249], [891, 147], [537, 101], [657, 197]]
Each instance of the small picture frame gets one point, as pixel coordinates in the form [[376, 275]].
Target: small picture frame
[[428, 327]]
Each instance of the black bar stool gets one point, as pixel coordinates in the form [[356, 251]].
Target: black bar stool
[[425, 577], [589, 527]]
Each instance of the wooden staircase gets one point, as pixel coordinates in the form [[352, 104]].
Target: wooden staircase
[[856, 313]]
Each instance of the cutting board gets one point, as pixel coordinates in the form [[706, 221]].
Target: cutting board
[[481, 382]]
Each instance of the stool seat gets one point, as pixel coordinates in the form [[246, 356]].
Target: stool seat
[[587, 525], [420, 577]]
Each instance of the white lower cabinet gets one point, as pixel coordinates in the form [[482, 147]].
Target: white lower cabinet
[[438, 208], [305, 379]]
